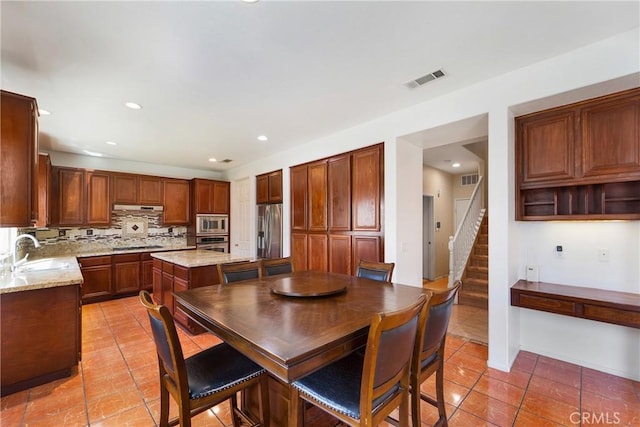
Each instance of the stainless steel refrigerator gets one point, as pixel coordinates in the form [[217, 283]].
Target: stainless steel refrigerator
[[269, 231]]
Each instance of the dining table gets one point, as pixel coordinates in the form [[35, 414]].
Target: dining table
[[293, 324]]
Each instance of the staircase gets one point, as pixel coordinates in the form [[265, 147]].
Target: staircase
[[475, 281]]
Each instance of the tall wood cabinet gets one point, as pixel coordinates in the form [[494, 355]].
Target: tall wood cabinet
[[580, 161], [336, 211], [176, 202], [18, 160]]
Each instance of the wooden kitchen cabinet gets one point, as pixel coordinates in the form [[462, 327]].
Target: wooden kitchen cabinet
[[126, 273], [136, 189], [44, 186], [146, 267], [580, 161], [157, 281], [68, 203], [97, 275], [18, 160], [98, 209], [336, 211], [269, 187], [176, 202], [211, 197]]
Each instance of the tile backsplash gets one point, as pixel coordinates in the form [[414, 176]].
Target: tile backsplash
[[127, 229]]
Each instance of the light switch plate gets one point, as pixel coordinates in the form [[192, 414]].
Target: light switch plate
[[533, 273]]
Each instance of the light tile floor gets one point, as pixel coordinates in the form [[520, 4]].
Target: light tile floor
[[116, 384]]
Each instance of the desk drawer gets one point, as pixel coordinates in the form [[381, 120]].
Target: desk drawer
[[547, 304]]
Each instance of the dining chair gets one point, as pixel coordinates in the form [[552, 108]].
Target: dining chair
[[271, 267], [203, 380], [361, 389], [237, 271], [380, 271], [428, 355]]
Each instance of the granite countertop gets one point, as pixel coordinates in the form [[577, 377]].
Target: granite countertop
[[133, 249], [198, 258], [31, 280]]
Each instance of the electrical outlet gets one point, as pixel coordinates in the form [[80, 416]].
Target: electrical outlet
[[89, 232], [559, 251], [603, 255]]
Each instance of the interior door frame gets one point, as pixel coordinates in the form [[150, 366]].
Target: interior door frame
[[428, 237]]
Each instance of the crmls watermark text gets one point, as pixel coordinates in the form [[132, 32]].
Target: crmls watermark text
[[595, 418]]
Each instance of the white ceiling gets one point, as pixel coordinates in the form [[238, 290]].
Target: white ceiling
[[212, 76]]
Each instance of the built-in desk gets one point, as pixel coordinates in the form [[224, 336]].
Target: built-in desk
[[619, 308]]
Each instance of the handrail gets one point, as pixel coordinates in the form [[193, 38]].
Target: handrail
[[461, 244]]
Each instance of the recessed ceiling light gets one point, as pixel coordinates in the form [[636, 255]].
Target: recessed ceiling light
[[250, 1], [213, 160], [133, 105], [44, 112], [92, 153], [111, 143], [455, 165], [262, 138]]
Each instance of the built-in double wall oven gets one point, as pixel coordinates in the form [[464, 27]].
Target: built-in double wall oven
[[212, 232]]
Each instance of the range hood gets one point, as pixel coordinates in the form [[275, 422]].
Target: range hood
[[137, 208]]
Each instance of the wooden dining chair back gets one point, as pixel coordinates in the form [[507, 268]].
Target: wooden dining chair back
[[361, 389], [237, 271], [380, 271], [428, 356], [203, 380], [274, 266]]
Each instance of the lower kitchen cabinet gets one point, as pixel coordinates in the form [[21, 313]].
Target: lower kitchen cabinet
[[126, 273], [97, 275], [169, 278], [146, 264]]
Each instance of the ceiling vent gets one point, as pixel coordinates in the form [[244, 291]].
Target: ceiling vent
[[227, 161], [425, 79]]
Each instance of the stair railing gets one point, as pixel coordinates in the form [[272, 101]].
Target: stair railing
[[461, 244]]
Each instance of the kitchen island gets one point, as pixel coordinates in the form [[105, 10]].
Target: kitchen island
[[179, 271], [40, 316]]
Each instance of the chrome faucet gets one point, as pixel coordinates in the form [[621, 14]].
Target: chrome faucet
[[15, 249]]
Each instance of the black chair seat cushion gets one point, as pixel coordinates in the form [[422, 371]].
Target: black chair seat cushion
[[218, 368], [283, 268], [338, 386], [367, 273]]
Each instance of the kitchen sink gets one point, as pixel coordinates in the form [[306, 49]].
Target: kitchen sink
[[42, 265]]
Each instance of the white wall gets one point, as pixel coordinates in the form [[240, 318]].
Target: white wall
[[604, 67]]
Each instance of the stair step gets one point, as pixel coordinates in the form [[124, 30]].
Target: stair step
[[479, 260], [483, 239], [481, 249], [473, 299], [474, 287]]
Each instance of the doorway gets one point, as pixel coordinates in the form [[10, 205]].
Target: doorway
[[428, 236]]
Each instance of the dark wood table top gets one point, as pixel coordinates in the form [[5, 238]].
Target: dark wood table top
[[291, 336]]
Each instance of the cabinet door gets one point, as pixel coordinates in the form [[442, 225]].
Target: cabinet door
[[340, 254], [150, 190], [299, 251], [126, 273], [366, 248], [71, 196], [546, 147], [125, 188], [98, 205], [18, 160], [318, 252], [339, 178], [366, 185], [611, 138], [317, 191], [221, 197], [44, 184], [299, 198], [96, 272], [203, 194], [146, 275], [176, 202], [275, 187], [157, 282], [262, 189]]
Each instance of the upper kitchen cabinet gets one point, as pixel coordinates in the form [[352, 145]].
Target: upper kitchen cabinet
[[44, 185], [176, 202], [580, 161], [18, 160], [269, 187], [80, 197], [136, 189], [210, 197], [336, 211]]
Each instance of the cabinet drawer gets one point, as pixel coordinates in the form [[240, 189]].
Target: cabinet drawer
[[612, 315], [126, 258], [95, 260], [181, 272], [157, 263], [547, 304], [167, 267]]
